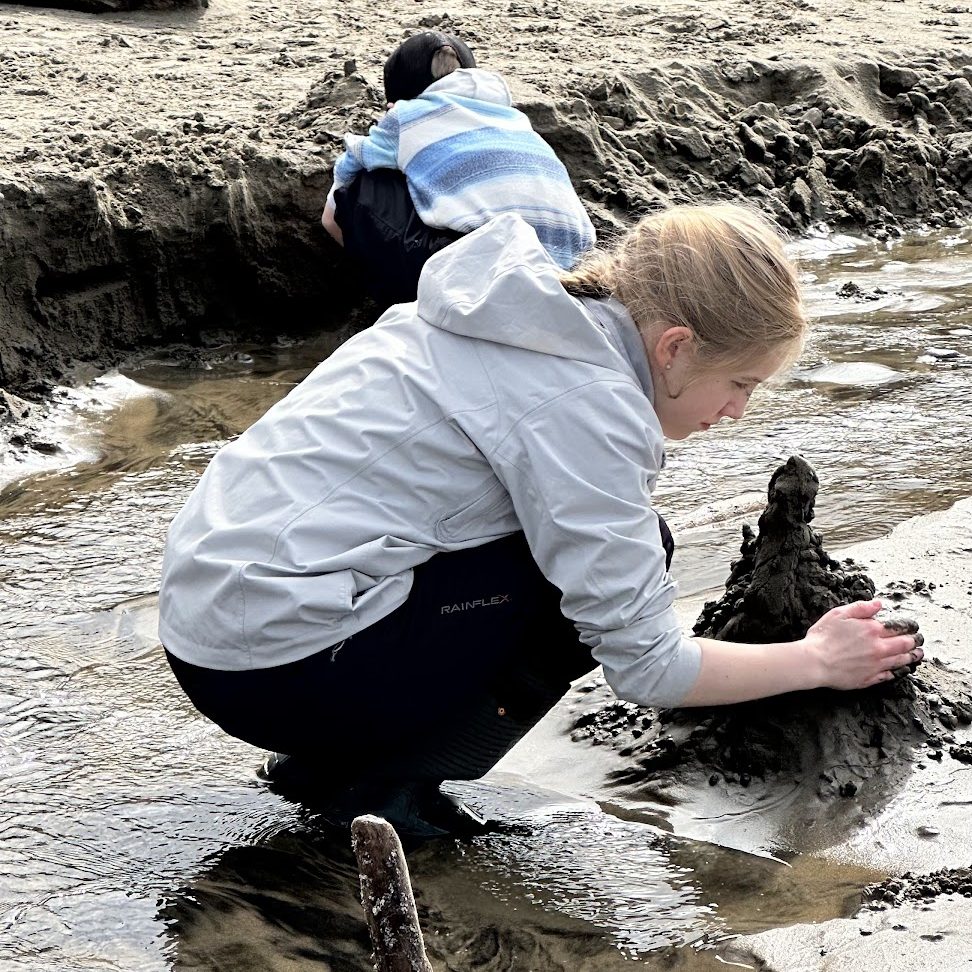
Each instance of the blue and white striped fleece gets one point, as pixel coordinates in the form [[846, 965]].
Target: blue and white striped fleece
[[468, 155]]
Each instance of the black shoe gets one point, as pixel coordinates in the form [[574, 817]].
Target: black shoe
[[413, 809], [422, 810], [291, 774]]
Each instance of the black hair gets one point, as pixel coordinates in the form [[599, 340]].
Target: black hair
[[408, 71]]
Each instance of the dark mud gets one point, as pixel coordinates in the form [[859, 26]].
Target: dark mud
[[837, 744], [17, 424], [922, 887], [200, 237], [785, 580]]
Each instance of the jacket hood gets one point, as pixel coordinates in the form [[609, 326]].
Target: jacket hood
[[498, 284], [473, 83]]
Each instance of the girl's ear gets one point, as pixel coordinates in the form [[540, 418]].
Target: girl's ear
[[671, 346]]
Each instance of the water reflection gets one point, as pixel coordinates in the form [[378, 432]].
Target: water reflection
[[286, 902], [559, 887], [135, 836]]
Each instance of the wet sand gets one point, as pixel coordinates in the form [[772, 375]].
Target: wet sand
[[906, 815], [162, 173], [162, 176], [100, 749]]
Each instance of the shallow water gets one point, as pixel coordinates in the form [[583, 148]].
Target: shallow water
[[134, 836], [879, 405]]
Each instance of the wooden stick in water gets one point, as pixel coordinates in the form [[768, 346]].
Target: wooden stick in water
[[386, 894]]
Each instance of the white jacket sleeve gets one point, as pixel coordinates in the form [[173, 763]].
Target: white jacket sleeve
[[580, 481]]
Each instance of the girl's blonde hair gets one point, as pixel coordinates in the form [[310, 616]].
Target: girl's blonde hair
[[719, 270]]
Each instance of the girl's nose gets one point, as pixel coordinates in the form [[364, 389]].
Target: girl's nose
[[736, 407]]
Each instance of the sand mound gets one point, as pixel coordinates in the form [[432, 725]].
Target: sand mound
[[835, 743]]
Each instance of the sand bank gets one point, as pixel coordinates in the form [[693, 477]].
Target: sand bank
[[162, 173]]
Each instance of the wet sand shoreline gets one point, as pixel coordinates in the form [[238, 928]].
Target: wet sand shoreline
[[683, 827], [909, 822]]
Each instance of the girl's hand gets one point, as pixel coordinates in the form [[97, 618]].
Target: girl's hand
[[854, 650]]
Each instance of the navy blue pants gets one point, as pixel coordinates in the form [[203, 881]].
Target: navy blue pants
[[439, 689], [384, 236]]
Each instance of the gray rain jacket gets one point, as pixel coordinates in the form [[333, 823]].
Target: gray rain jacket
[[496, 402]]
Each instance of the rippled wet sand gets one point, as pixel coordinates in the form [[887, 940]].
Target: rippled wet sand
[[133, 835]]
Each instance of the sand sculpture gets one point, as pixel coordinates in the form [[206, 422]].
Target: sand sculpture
[[836, 743], [784, 581]]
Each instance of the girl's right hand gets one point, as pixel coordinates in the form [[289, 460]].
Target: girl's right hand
[[854, 650]]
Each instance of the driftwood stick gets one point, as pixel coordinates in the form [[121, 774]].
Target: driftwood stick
[[386, 894]]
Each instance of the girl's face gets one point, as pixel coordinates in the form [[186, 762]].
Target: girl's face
[[690, 399]]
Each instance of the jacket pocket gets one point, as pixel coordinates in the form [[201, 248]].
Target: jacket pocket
[[285, 601], [490, 514]]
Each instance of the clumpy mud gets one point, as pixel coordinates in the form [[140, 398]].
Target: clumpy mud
[[924, 887], [853, 292], [783, 582], [162, 172], [774, 131], [23, 433]]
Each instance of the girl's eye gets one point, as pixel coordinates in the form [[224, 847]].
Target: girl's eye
[[745, 386]]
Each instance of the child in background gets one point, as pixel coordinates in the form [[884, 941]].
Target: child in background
[[450, 153]]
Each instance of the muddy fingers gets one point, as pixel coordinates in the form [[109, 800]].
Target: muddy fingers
[[900, 625], [906, 662], [855, 649]]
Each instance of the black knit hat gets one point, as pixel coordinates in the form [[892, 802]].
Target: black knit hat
[[408, 72]]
